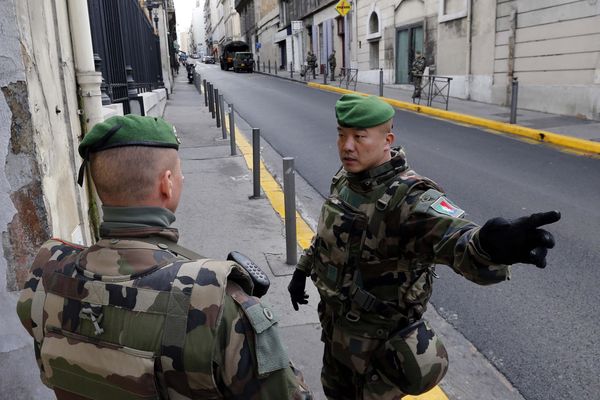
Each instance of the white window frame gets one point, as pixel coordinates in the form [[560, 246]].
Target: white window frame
[[443, 17]]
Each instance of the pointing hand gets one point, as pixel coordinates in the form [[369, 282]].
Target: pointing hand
[[519, 240]]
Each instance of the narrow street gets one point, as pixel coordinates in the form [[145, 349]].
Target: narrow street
[[523, 326]]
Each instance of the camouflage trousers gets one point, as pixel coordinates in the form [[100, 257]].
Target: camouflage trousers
[[343, 383], [417, 92]]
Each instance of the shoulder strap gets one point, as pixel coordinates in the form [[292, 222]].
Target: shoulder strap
[[337, 180], [173, 247]]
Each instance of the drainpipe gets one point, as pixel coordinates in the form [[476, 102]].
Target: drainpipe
[[90, 95], [469, 46], [87, 78]]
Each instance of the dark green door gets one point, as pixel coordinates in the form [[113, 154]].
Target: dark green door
[[408, 42]]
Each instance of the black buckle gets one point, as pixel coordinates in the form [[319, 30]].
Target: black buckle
[[364, 299]]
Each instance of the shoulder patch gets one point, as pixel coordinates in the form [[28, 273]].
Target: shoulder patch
[[435, 203], [444, 206]]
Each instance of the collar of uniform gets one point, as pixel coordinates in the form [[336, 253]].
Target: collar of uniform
[[375, 176], [138, 222]]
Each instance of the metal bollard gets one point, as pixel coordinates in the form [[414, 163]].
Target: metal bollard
[[217, 108], [211, 101], [258, 64], [289, 199], [513, 100], [325, 77], [205, 95], [255, 163], [269, 66], [291, 70], [222, 107], [381, 82], [232, 131], [275, 68]]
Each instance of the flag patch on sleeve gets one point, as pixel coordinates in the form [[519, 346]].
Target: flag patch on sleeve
[[444, 206]]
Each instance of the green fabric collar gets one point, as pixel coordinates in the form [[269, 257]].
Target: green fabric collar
[[137, 217], [366, 180]]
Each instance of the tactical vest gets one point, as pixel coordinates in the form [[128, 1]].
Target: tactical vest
[[363, 273], [122, 337]]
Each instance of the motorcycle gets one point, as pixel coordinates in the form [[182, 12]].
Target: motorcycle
[[190, 72]]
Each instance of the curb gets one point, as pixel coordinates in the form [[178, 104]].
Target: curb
[[538, 135]]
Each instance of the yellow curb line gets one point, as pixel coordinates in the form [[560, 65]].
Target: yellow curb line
[[274, 192], [304, 233], [586, 146]]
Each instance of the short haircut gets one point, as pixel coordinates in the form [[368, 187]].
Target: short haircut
[[126, 175]]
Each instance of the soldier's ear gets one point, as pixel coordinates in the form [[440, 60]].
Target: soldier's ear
[[389, 139]]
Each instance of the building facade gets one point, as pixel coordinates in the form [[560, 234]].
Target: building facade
[[550, 46]]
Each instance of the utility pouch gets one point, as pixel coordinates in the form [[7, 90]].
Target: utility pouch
[[353, 346], [341, 232], [97, 370], [414, 358]]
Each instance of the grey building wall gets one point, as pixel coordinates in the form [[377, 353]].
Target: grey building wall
[[39, 125], [553, 48]]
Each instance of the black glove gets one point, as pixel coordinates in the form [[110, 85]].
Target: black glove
[[296, 289], [519, 240]]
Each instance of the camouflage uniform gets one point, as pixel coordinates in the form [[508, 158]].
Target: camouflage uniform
[[332, 65], [129, 318], [379, 234], [311, 60], [416, 71]]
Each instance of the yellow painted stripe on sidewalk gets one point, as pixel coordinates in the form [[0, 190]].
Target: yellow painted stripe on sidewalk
[[274, 192], [304, 233], [586, 146]]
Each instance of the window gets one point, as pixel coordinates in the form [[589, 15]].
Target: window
[[373, 26], [373, 23], [374, 55]]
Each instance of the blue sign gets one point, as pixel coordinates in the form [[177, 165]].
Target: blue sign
[[257, 45]]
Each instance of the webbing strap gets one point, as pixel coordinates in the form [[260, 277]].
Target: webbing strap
[[175, 324], [173, 247]]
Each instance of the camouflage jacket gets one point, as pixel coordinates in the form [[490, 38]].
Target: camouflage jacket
[[129, 318], [331, 60], [311, 60], [418, 66], [379, 234]]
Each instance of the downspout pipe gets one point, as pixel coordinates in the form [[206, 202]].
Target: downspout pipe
[[468, 50], [83, 54], [89, 93]]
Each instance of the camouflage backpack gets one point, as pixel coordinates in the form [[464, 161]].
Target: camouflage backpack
[[122, 337]]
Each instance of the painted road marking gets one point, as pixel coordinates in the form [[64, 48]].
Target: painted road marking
[[581, 145]]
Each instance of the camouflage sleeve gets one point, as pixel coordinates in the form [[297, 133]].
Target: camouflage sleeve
[[439, 234], [251, 362], [30, 314], [306, 262]]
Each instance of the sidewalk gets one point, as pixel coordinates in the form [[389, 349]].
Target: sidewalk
[[216, 216], [579, 128]]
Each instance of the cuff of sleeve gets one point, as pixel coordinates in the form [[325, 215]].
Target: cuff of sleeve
[[305, 264]]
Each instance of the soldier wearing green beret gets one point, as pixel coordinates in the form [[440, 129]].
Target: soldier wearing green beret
[[372, 260], [136, 315]]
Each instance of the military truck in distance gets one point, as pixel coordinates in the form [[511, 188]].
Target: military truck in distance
[[228, 52]]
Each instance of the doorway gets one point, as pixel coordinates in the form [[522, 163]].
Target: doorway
[[409, 40]]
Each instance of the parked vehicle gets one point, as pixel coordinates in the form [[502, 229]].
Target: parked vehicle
[[208, 60], [243, 61], [228, 52]]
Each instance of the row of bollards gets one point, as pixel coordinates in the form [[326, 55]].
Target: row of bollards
[[218, 107]]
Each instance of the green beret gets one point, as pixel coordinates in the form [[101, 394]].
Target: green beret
[[356, 111], [128, 130]]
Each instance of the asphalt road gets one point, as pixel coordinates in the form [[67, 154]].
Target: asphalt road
[[540, 328]]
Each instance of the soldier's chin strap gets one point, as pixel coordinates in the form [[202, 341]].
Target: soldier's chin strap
[[99, 145]]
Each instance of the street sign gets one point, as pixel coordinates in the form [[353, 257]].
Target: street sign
[[258, 45], [343, 7], [297, 26]]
